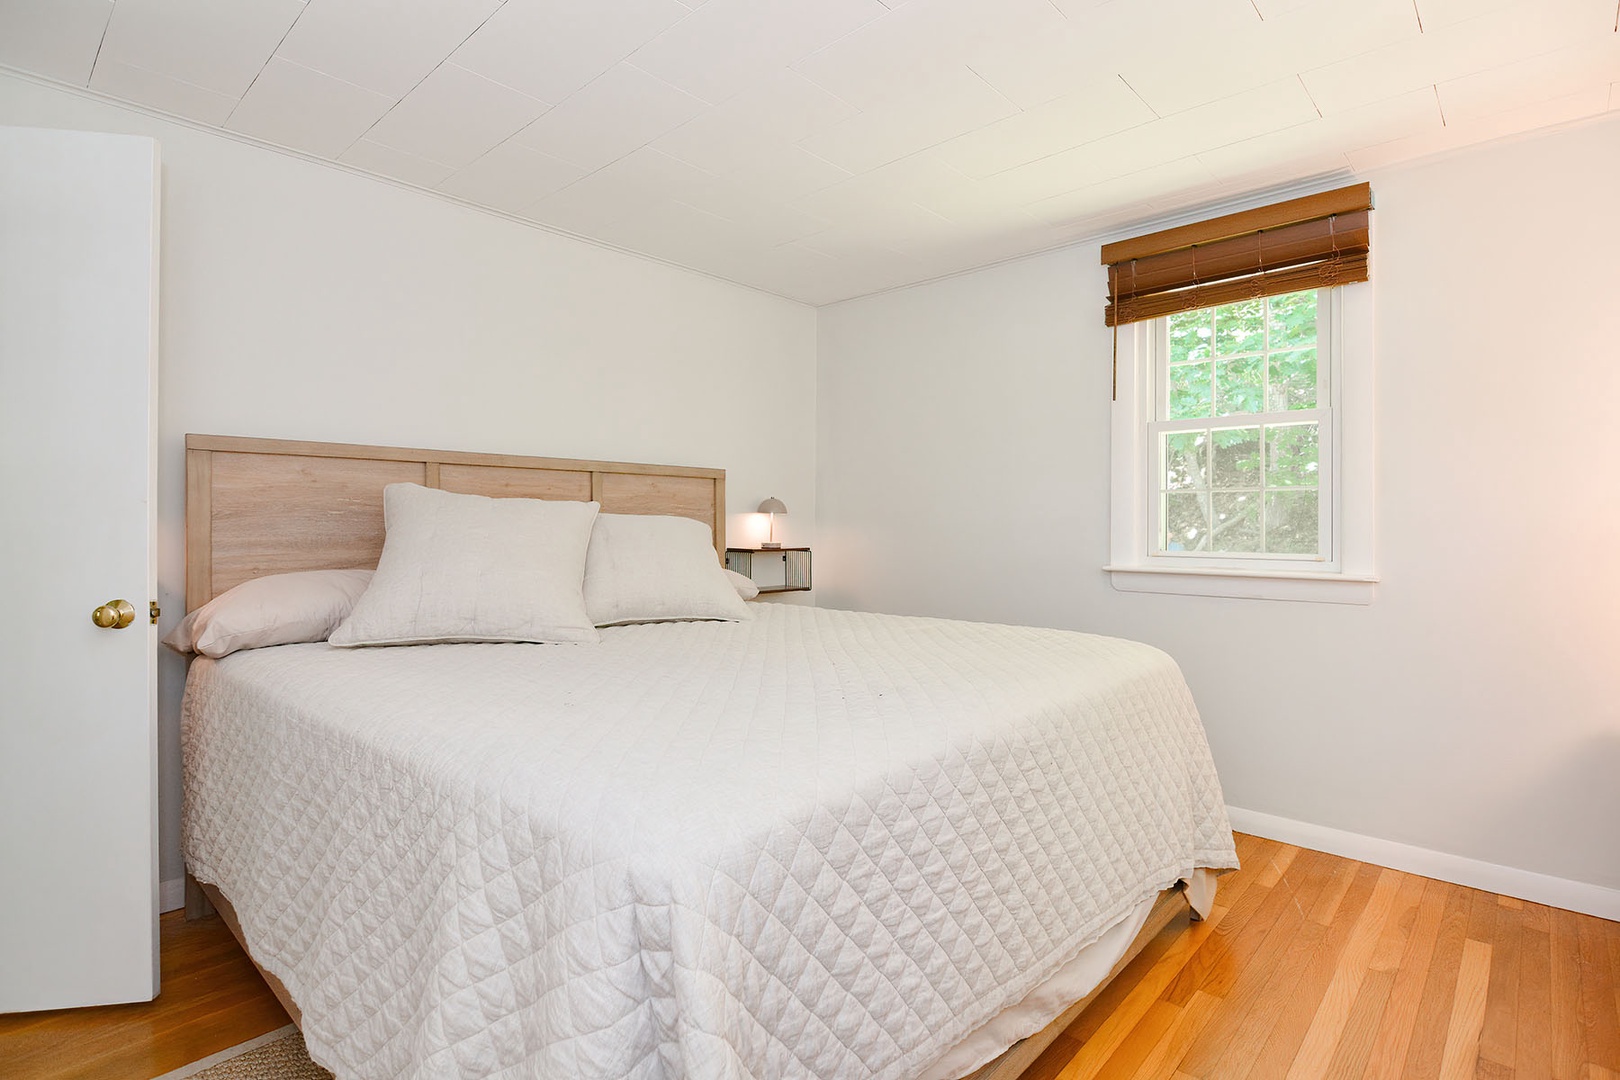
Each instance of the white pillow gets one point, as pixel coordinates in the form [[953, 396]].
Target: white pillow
[[743, 584], [280, 609], [469, 568], [652, 568]]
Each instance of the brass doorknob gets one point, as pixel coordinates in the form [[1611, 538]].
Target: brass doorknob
[[114, 615]]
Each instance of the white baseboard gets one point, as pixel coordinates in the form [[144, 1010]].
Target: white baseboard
[[1505, 880], [172, 894]]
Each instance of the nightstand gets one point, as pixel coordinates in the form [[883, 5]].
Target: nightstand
[[795, 563]]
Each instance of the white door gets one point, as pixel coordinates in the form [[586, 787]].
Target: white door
[[78, 734]]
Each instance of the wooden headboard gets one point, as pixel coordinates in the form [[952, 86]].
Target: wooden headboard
[[271, 506]]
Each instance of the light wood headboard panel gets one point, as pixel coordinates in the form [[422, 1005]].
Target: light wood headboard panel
[[271, 506]]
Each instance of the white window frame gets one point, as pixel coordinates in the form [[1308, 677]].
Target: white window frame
[[1343, 572]]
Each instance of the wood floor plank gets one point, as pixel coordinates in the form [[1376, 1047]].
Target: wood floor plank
[[1498, 1040], [1277, 866], [1361, 1027], [1222, 961], [1398, 928], [1156, 1023], [1294, 1017], [1533, 1037], [1195, 1015], [1569, 1033], [1439, 988], [1388, 1058], [1244, 1045], [1106, 1039], [1253, 965], [1327, 1026], [1598, 1013], [1461, 1054]]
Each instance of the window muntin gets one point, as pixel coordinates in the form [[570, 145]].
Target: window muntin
[[1241, 431]]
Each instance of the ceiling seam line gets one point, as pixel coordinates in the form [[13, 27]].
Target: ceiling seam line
[[1139, 97], [255, 80], [101, 42], [414, 86]]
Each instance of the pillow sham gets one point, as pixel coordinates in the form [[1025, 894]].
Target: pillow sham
[[743, 584], [470, 568], [279, 609], [655, 568]]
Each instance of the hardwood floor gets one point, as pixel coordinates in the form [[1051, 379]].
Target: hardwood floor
[[1311, 966], [1317, 966]]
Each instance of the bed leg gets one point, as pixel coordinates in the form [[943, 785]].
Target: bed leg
[[197, 905]]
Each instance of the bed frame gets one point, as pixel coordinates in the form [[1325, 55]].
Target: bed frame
[[273, 506]]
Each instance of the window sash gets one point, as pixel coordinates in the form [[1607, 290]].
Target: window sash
[[1325, 415]]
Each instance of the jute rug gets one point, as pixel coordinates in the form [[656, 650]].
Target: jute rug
[[277, 1056]]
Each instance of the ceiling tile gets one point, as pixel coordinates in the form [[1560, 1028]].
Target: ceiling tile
[[454, 116], [786, 173], [781, 109], [685, 235], [1437, 13], [1308, 35], [939, 109], [386, 161], [1449, 52], [1174, 178], [1031, 68], [885, 58], [1103, 108], [727, 44], [511, 177], [612, 193], [1469, 132], [590, 204], [624, 109], [1300, 149], [383, 45], [1541, 78], [54, 38], [217, 46], [550, 48], [295, 107], [1270, 108], [161, 92], [921, 179]]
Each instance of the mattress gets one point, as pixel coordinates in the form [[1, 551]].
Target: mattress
[[814, 844]]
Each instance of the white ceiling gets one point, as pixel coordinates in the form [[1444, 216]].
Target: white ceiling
[[823, 149]]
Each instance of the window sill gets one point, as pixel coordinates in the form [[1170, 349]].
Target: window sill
[[1245, 584]]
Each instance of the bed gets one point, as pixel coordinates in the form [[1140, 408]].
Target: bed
[[811, 843]]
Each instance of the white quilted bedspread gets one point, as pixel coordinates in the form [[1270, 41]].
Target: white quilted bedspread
[[816, 844]]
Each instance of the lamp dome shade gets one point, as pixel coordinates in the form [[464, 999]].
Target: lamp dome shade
[[773, 505]]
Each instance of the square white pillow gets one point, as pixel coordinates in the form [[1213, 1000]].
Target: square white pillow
[[743, 584], [278, 609], [653, 568], [469, 568]]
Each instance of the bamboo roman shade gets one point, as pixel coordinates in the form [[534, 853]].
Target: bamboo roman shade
[[1310, 243]]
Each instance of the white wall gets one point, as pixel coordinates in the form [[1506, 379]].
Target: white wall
[[301, 301], [1474, 707]]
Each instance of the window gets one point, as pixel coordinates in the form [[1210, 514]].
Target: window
[[1240, 399], [1242, 425]]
